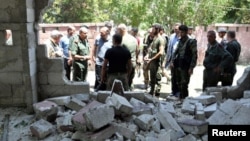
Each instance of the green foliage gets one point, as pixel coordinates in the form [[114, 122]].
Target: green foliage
[[142, 13]]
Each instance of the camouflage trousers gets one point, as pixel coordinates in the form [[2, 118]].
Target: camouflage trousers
[[123, 77], [155, 77], [182, 79]]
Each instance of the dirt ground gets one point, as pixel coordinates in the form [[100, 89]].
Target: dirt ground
[[20, 121]]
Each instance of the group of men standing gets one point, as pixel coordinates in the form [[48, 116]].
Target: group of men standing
[[181, 58], [116, 55]]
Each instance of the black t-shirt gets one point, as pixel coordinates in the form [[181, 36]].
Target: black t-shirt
[[118, 57]]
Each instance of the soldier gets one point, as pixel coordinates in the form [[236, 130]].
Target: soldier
[[80, 53], [184, 61], [215, 61], [153, 59], [146, 43], [234, 48], [130, 42]]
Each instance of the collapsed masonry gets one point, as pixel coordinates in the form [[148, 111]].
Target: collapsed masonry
[[127, 115]]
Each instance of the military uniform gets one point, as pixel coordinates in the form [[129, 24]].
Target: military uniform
[[131, 43], [147, 41], [80, 47], [155, 64], [185, 58], [216, 57]]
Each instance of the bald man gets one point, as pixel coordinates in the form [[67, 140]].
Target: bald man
[[216, 60], [80, 51], [130, 42], [102, 44]]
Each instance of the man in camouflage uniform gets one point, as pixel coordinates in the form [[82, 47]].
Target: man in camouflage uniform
[[234, 48], [215, 61], [153, 59], [80, 53], [146, 43], [184, 60]]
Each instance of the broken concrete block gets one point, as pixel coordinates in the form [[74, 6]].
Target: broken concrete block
[[218, 96], [64, 124], [188, 106], [136, 102], [246, 94], [205, 99], [144, 122], [46, 110], [156, 126], [93, 96], [102, 96], [209, 110], [75, 104], [193, 126], [99, 117], [222, 90], [151, 139], [164, 136], [78, 120], [168, 122], [188, 137], [167, 107], [41, 128], [101, 135], [140, 107], [117, 87], [61, 101], [205, 137], [128, 131], [150, 99], [245, 102], [82, 97], [140, 110], [199, 112], [230, 113], [121, 104], [139, 95]]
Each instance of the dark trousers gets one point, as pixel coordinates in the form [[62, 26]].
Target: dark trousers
[[183, 80], [67, 68], [98, 71], [174, 85], [210, 78]]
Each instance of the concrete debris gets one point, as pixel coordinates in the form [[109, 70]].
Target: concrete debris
[[121, 104], [99, 117], [41, 128], [193, 126], [128, 115], [75, 104], [46, 110]]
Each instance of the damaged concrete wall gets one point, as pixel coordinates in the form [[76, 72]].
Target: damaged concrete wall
[[23, 65], [51, 77], [18, 61]]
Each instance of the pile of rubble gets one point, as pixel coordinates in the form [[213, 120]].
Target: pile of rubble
[[119, 115]]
